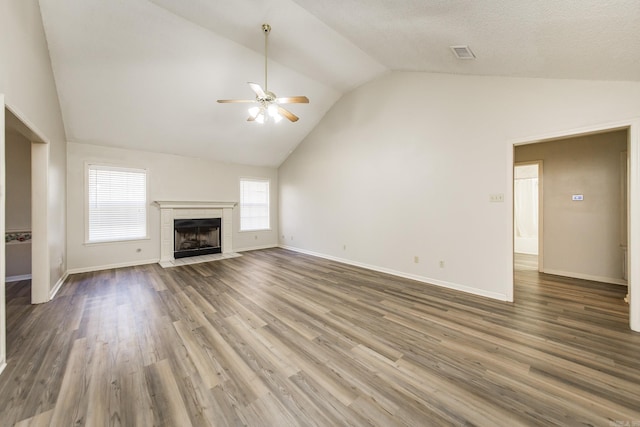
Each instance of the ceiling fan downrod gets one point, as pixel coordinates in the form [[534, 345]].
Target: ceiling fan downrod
[[266, 29]]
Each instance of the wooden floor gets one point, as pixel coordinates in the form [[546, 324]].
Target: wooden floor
[[277, 338]]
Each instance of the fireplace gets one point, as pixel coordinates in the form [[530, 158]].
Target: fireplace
[[171, 211], [194, 237]]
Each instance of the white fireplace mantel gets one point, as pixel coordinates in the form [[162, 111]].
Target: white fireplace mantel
[[172, 210], [194, 205]]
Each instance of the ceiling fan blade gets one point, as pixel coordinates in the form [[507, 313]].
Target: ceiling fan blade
[[229, 101], [293, 100], [288, 114], [258, 90]]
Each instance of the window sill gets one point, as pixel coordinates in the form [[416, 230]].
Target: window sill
[[115, 242]]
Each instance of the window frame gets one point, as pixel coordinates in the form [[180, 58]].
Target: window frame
[[87, 166], [241, 205]]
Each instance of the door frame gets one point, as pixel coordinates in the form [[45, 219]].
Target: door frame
[[40, 259], [40, 264], [633, 210]]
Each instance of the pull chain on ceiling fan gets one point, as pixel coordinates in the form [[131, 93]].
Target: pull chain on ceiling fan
[[269, 105]]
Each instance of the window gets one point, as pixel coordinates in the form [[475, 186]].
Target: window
[[117, 204], [254, 204]]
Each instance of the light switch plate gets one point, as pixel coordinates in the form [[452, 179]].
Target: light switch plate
[[496, 198]]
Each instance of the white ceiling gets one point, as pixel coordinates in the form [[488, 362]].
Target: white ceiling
[[145, 74]]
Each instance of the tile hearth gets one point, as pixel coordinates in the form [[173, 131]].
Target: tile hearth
[[197, 259]]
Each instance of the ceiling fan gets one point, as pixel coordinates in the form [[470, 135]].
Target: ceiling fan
[[269, 105]]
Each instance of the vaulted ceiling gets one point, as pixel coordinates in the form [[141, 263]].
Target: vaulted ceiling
[[146, 74]]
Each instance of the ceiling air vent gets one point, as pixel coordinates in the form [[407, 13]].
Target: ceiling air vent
[[462, 52]]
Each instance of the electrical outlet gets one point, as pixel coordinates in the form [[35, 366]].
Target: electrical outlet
[[255, 237], [416, 259], [344, 247], [441, 264]]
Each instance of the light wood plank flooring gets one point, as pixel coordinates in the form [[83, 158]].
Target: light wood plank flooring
[[276, 338]]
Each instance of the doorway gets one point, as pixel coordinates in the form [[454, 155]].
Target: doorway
[[17, 208], [527, 214], [40, 274], [582, 226]]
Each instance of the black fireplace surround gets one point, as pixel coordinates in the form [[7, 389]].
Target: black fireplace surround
[[194, 237]]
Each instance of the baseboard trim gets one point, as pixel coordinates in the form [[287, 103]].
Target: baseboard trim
[[423, 279], [573, 275], [110, 266], [255, 248], [2, 366], [58, 285], [20, 278]]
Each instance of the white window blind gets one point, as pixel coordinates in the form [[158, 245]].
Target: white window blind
[[254, 204], [117, 204]]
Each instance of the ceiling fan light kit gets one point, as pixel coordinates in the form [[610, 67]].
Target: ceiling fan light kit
[[269, 106]]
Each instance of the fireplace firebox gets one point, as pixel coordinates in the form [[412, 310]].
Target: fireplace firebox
[[197, 237]]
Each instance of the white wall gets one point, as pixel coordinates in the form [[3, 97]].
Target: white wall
[[404, 165], [26, 80], [170, 178], [582, 238], [28, 89]]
